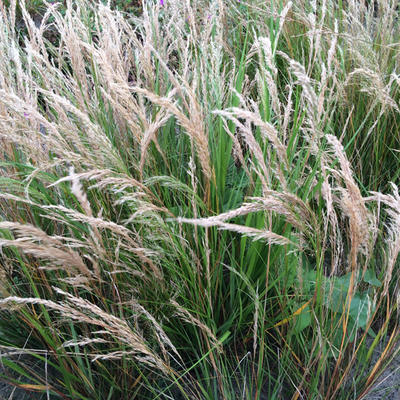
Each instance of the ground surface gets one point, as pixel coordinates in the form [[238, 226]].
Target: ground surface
[[386, 388], [388, 385]]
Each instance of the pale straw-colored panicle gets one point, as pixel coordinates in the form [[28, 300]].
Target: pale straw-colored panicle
[[303, 80], [193, 125], [352, 203], [392, 209], [332, 232], [57, 258], [78, 191], [267, 72], [162, 337], [186, 316], [82, 311]]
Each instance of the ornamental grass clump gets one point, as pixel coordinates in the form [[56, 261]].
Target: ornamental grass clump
[[194, 201]]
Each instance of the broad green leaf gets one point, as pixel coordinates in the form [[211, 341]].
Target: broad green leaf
[[303, 320], [371, 278]]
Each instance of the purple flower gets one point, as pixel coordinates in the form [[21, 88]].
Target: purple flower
[[162, 3], [26, 115]]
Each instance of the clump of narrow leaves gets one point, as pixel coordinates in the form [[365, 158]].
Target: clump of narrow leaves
[[194, 201]]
